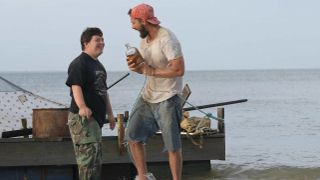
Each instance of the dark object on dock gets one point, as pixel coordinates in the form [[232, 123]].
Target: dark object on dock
[[215, 105], [25, 132], [17, 133]]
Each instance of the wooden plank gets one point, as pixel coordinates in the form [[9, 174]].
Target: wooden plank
[[186, 91], [37, 172], [36, 152]]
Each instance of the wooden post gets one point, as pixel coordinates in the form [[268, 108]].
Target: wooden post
[[24, 125], [126, 116], [220, 114], [121, 147]]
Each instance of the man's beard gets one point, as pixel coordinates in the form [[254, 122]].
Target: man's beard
[[143, 32]]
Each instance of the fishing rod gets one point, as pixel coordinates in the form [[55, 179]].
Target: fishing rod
[[214, 105], [13, 85], [209, 115], [118, 80], [18, 88]]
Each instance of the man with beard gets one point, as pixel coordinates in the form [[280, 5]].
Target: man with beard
[[89, 104], [158, 107]]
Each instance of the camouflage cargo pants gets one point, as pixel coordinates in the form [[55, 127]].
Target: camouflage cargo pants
[[86, 138]]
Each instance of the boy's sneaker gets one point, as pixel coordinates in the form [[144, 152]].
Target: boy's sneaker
[[149, 176]]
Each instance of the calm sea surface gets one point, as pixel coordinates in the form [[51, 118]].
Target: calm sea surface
[[275, 135]]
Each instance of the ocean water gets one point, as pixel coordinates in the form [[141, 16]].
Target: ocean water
[[275, 135]]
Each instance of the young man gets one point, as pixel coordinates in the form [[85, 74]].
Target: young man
[[89, 104], [159, 106]]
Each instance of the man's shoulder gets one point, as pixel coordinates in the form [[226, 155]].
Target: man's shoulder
[[166, 34], [163, 32]]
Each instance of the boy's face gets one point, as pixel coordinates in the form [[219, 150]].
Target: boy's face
[[95, 46]]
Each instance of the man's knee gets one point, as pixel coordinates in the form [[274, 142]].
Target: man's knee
[[175, 152], [133, 143]]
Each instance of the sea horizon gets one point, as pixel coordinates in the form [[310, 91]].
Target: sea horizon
[[200, 70]]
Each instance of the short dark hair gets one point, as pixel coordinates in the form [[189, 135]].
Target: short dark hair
[[87, 35]]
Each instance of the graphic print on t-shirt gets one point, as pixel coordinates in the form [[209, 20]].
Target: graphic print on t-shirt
[[100, 83]]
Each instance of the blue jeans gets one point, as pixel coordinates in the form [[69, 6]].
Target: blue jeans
[[147, 118]]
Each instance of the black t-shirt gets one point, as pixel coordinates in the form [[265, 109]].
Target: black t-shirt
[[91, 76]]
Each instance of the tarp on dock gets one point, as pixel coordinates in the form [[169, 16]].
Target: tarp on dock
[[17, 103]]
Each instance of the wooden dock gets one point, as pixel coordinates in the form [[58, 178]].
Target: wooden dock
[[55, 157], [59, 151]]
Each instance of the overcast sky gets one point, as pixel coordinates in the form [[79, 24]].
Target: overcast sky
[[43, 35]]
